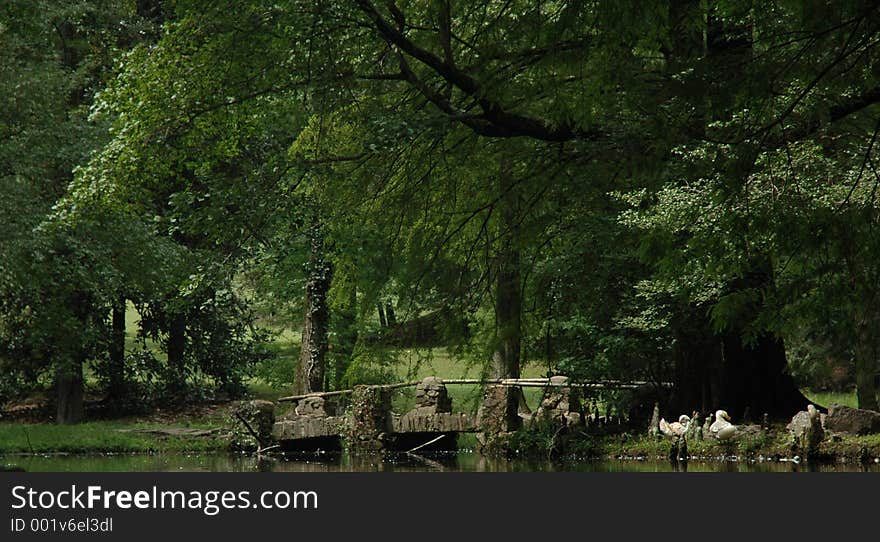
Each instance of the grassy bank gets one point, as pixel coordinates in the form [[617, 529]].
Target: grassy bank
[[116, 436], [773, 446]]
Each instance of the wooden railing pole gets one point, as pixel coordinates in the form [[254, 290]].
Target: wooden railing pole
[[522, 382]]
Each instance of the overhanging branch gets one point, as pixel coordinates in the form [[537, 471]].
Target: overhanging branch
[[498, 121]]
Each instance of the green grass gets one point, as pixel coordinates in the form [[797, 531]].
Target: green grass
[[828, 398], [416, 365], [778, 443], [103, 437], [258, 389], [412, 365], [131, 326]]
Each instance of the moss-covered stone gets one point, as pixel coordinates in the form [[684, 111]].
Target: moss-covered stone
[[370, 422]]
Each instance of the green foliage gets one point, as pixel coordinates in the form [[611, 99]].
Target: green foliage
[[642, 168], [278, 368], [277, 372], [370, 366], [221, 344], [53, 281]]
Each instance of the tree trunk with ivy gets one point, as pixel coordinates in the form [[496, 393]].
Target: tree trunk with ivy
[[309, 376]]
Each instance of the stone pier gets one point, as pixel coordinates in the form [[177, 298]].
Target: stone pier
[[497, 418], [369, 424], [432, 417]]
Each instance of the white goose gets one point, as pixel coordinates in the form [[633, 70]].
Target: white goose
[[721, 428], [675, 429]]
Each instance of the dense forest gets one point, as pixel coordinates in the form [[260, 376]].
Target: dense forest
[[674, 191]]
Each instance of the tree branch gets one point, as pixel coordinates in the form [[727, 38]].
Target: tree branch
[[505, 123], [835, 113]]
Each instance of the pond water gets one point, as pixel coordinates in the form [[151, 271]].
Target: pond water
[[461, 461]]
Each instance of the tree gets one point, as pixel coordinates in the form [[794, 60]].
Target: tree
[[53, 305]]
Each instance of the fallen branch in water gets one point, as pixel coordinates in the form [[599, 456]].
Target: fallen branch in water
[[267, 448], [432, 441]]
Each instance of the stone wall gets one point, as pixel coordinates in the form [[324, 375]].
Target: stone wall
[[494, 415], [498, 419]]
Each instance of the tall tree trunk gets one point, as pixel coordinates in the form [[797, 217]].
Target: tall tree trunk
[[866, 321], [69, 386], [733, 374], [713, 371], [383, 322], [729, 372], [309, 375], [757, 380], [508, 293], [116, 385], [508, 314]]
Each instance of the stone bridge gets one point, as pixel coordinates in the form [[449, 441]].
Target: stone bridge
[[368, 424]]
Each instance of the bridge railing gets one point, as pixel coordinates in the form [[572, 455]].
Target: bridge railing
[[521, 382]]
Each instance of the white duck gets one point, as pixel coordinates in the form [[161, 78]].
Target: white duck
[[675, 429], [721, 428], [813, 412]]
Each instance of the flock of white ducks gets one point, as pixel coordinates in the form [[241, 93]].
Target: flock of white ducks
[[721, 428]]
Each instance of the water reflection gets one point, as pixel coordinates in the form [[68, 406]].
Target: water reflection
[[337, 462]]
